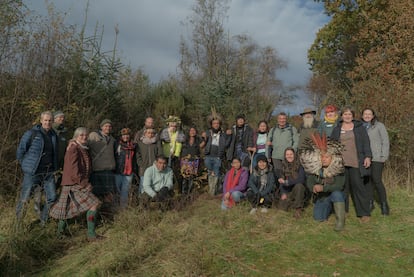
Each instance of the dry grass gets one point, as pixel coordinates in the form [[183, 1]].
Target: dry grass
[[201, 240]]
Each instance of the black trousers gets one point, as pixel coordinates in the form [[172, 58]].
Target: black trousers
[[354, 186]]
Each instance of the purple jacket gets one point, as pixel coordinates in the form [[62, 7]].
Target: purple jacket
[[242, 185]]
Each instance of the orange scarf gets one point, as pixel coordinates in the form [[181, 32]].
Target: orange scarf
[[232, 182]]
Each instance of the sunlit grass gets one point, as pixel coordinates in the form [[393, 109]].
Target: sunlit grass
[[202, 240]]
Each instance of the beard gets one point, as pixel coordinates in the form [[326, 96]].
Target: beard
[[308, 122]]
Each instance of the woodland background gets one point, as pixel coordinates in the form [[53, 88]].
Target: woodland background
[[364, 57]]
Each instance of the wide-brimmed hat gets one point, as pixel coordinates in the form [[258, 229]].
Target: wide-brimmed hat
[[308, 110]]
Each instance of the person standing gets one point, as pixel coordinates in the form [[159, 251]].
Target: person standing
[[216, 143], [259, 139], [148, 148], [148, 124], [308, 127], [241, 143], [102, 150], [62, 134], [329, 121], [280, 137], [76, 196], [172, 139], [190, 159], [126, 166], [37, 154], [380, 147], [357, 159]]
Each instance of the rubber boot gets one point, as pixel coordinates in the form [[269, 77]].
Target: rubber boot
[[339, 208], [212, 183], [385, 209], [61, 228], [90, 219]]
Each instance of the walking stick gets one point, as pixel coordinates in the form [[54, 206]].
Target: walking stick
[[251, 155]]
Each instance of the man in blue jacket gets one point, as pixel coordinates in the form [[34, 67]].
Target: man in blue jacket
[[37, 154]]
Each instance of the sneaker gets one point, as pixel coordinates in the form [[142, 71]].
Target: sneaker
[[253, 211], [264, 210]]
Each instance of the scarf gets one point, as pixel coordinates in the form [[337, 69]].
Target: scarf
[[232, 182], [128, 148], [331, 120], [147, 140]]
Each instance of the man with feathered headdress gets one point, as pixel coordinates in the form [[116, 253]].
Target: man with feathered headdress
[[322, 161], [216, 143]]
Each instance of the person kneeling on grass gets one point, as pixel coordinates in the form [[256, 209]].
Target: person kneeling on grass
[[234, 185], [76, 196], [322, 161], [158, 182], [261, 186]]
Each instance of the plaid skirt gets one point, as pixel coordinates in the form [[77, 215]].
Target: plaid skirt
[[73, 201]]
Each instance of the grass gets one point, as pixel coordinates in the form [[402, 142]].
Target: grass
[[202, 240]]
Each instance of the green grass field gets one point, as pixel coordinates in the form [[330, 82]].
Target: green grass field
[[202, 240]]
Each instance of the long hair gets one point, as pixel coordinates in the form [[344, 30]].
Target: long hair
[[290, 170]]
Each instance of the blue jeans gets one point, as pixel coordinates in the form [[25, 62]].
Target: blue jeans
[[237, 197], [213, 164], [322, 207], [123, 183], [45, 180]]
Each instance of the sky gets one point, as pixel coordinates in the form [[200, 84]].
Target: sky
[[150, 31]]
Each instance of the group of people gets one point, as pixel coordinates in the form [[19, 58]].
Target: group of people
[[327, 161]]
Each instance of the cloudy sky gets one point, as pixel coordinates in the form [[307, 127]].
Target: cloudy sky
[[150, 30]]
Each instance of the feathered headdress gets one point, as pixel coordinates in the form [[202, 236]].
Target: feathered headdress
[[310, 156], [214, 116], [173, 118]]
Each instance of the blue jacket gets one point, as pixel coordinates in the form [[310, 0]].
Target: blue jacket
[[30, 149]]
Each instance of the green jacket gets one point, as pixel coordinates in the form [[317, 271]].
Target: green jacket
[[336, 183], [281, 139]]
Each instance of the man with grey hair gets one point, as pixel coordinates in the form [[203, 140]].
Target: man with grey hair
[[308, 127], [37, 154]]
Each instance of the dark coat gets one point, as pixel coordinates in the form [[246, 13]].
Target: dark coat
[[223, 143], [120, 157], [30, 149], [361, 141], [247, 141], [77, 166], [254, 183]]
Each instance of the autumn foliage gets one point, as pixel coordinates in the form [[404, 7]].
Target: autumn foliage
[[365, 57]]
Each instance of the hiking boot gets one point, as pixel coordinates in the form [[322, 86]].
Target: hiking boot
[[385, 210], [253, 211], [264, 210]]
